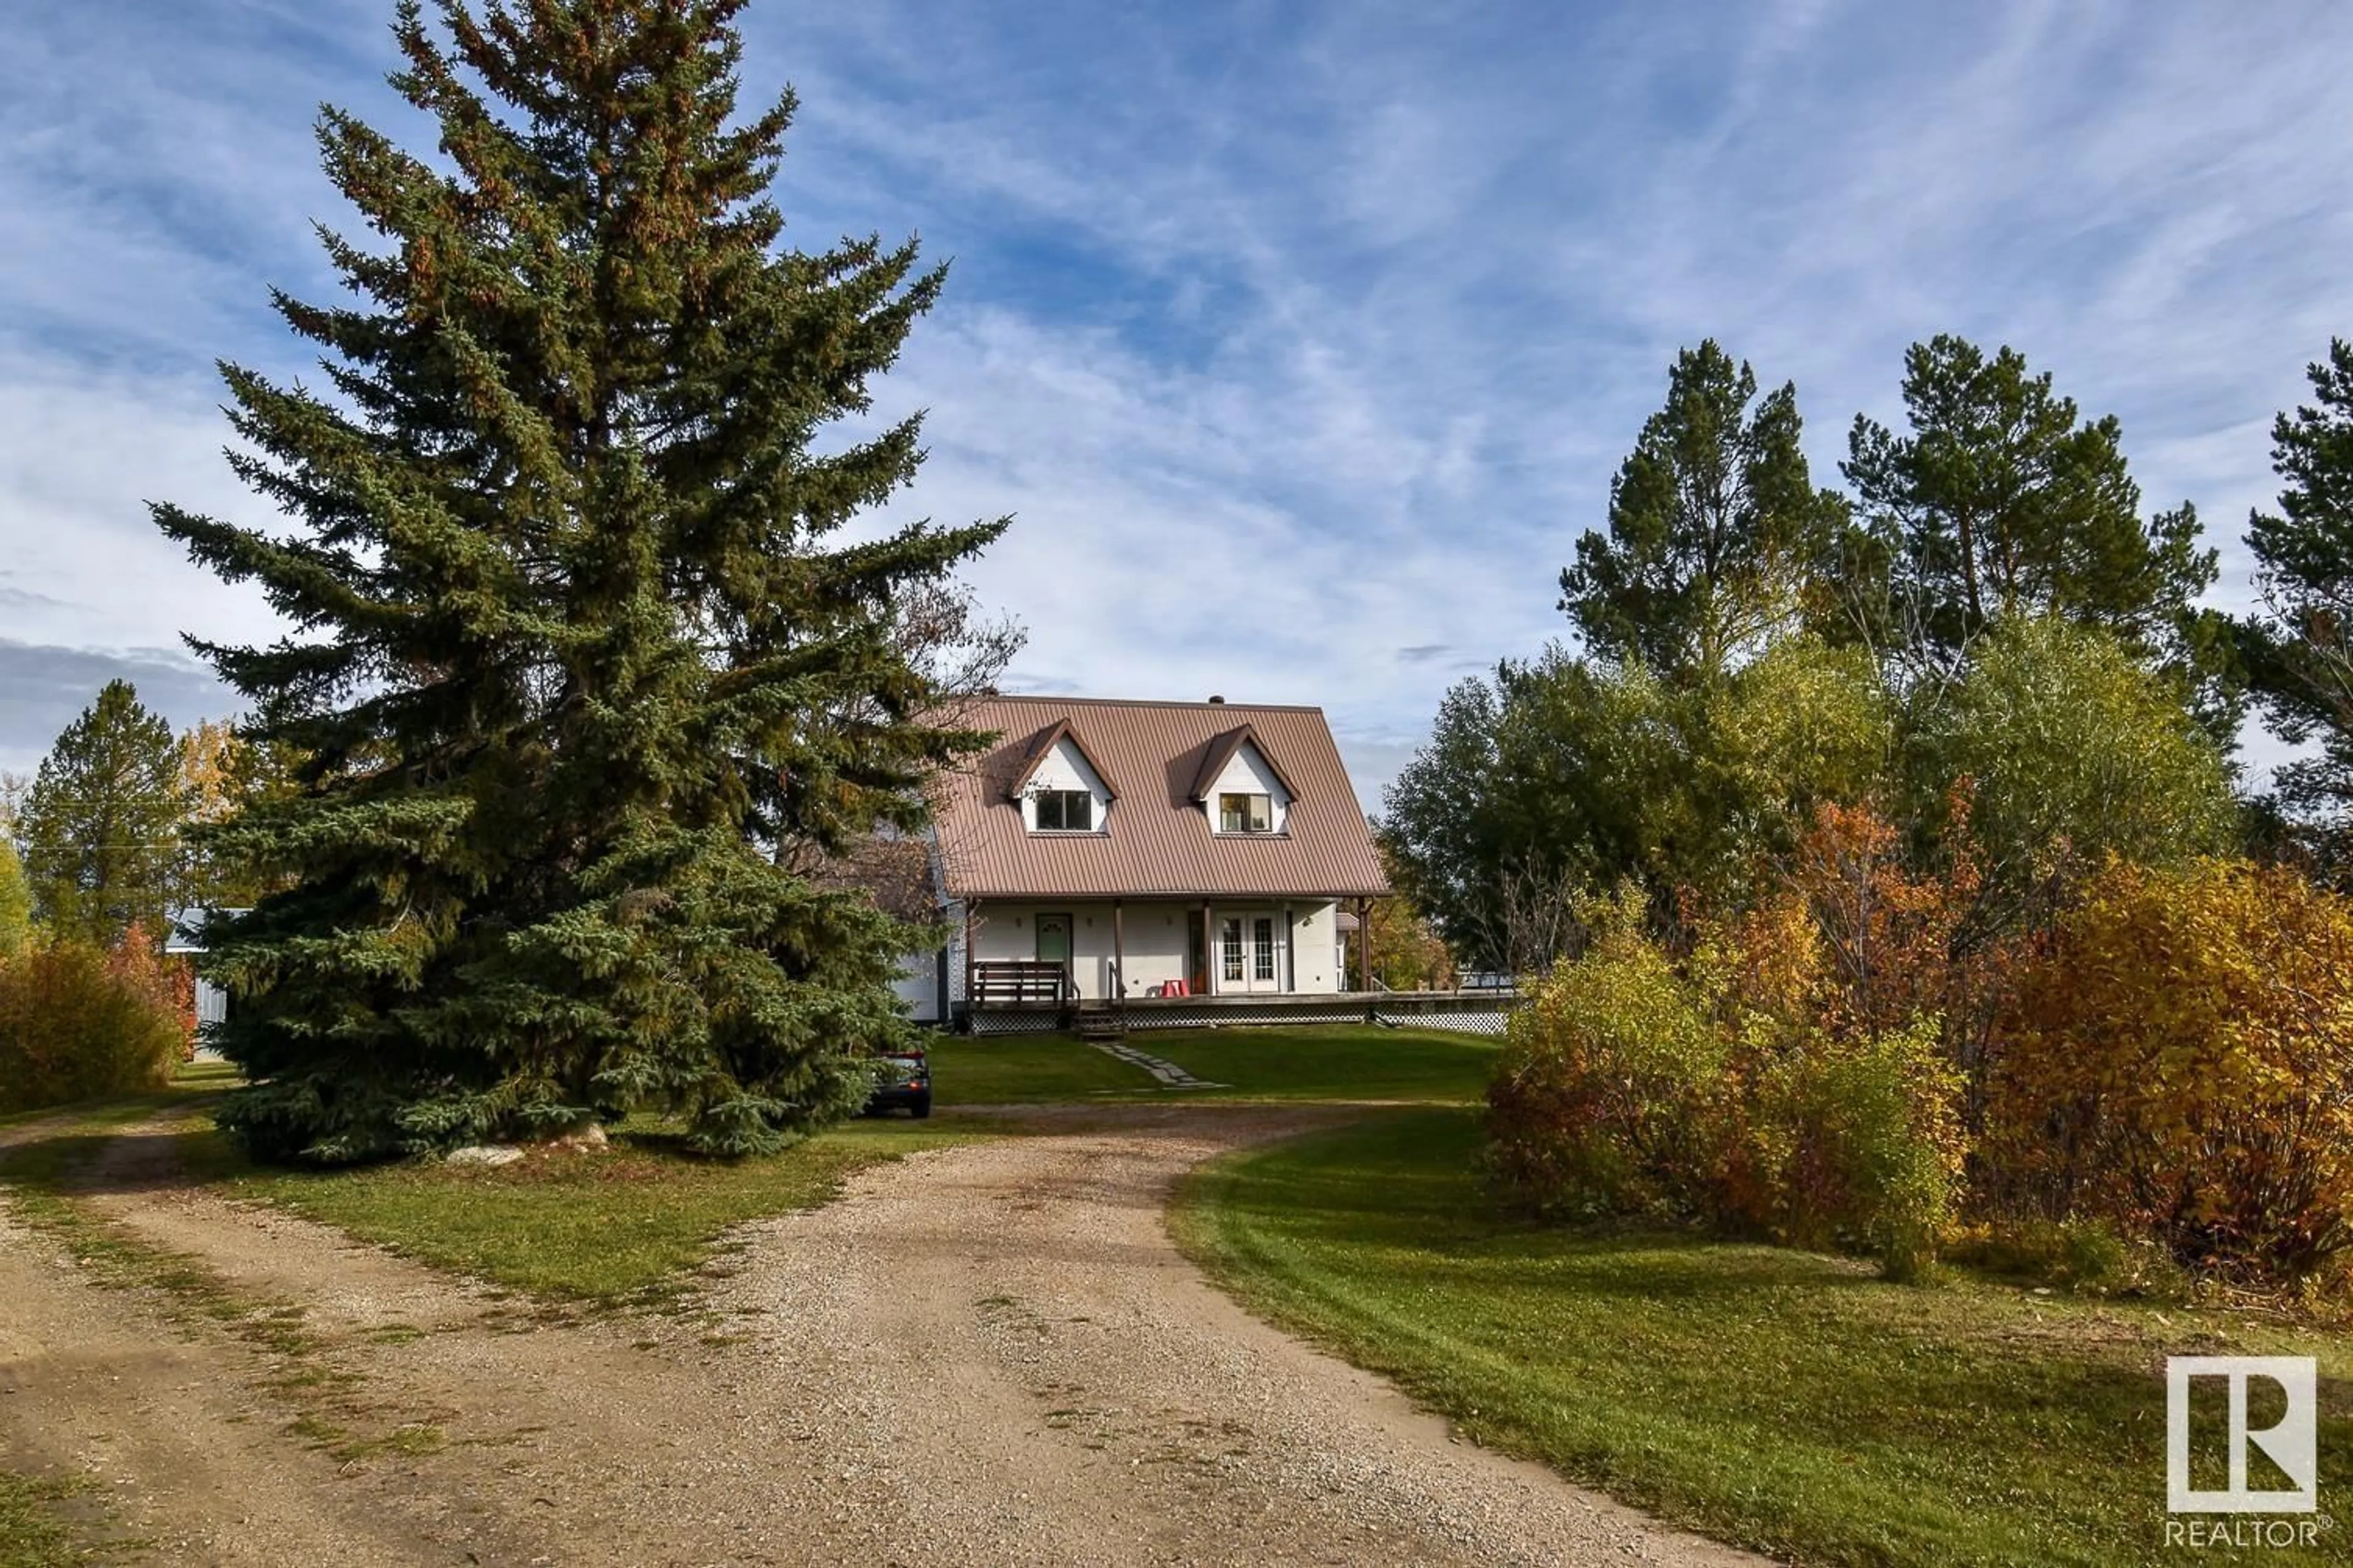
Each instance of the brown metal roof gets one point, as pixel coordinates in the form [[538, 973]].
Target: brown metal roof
[[1157, 837]]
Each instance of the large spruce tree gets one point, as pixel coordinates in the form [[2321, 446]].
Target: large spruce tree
[[580, 649], [102, 824]]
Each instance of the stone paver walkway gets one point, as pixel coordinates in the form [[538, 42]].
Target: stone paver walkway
[[1168, 1073]]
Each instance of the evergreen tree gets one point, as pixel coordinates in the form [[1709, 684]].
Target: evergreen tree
[[1717, 532], [2001, 501], [581, 654], [2299, 650], [100, 826]]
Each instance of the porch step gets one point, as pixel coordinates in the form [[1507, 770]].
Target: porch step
[[1097, 1022]]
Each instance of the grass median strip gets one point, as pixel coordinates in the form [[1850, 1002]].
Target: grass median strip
[[1782, 1400], [629, 1224], [49, 1524], [31, 1535], [39, 1175]]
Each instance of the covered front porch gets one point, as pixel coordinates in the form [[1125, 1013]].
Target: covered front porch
[[1048, 952], [1047, 1007]]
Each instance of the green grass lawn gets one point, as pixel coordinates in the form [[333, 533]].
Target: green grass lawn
[[1782, 1400], [1330, 1062], [1315, 1061], [1025, 1069]]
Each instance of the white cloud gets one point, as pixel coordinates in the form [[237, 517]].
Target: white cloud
[[81, 456]]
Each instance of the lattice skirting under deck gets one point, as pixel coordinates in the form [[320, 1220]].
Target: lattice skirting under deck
[[1015, 1021], [1488, 1021], [1471, 1019], [1274, 1012]]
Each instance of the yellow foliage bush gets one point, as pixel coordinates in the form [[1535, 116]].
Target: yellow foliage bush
[[1702, 1089], [2165, 1074], [1610, 1096], [1859, 1142], [78, 1021], [2178, 1063]]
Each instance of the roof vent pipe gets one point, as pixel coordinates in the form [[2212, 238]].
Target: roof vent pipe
[[1215, 697]]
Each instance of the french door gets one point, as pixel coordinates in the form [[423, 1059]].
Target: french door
[[1250, 953]]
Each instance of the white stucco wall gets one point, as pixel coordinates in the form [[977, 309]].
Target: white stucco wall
[[1246, 773], [1314, 931], [918, 986], [1158, 937], [1065, 768], [1155, 940]]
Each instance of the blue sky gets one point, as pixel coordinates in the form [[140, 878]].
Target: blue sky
[[1302, 338]]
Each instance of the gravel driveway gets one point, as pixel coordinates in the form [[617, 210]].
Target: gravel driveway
[[982, 1355]]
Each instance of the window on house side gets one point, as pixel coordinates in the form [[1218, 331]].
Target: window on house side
[[1065, 811], [1245, 814]]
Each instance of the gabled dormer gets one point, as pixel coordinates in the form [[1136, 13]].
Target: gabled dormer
[[1059, 787], [1243, 787]]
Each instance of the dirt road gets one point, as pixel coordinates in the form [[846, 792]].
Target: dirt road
[[989, 1354]]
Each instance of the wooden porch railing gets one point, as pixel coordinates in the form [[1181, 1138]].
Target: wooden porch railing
[[1022, 982]]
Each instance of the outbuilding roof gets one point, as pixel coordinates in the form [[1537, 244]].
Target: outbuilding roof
[[1156, 839], [894, 872]]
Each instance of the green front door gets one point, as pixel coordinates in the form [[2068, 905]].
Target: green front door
[[1054, 941]]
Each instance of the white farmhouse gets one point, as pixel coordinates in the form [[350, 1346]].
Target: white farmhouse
[[1153, 859]]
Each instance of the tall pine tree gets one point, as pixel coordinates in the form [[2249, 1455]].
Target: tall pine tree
[[2299, 648], [102, 824], [1717, 532], [580, 649], [2001, 501]]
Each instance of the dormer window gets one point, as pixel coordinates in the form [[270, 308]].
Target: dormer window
[[1060, 788], [1245, 813], [1065, 811], [1241, 789]]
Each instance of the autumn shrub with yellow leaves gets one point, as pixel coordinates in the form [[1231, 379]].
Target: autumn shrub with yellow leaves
[[1705, 1089], [2162, 1077], [78, 1020], [1616, 1084], [2178, 1063]]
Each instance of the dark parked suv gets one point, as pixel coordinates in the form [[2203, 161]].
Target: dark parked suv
[[902, 1078]]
